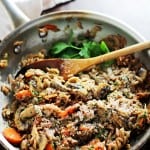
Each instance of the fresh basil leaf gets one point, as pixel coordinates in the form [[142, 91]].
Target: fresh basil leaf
[[84, 49], [59, 47], [104, 48], [95, 49], [73, 56], [85, 52], [69, 53]]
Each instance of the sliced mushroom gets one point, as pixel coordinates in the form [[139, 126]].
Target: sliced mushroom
[[35, 137], [43, 142], [22, 126], [29, 112]]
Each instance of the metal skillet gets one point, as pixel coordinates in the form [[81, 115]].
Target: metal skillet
[[32, 40]]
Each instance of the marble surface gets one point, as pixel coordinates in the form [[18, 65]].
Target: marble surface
[[133, 12]]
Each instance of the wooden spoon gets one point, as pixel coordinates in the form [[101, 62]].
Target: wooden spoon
[[70, 67]]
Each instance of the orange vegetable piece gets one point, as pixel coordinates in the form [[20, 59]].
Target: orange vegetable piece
[[12, 135], [69, 110], [63, 114], [21, 95], [49, 147]]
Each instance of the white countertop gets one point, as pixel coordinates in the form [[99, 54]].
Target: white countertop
[[133, 12]]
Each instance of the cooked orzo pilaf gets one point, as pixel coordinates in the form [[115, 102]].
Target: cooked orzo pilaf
[[97, 109]]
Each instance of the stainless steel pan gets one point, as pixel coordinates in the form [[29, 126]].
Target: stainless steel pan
[[32, 42]]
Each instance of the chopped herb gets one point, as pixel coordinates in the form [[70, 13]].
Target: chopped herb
[[102, 134], [145, 114], [113, 137], [35, 93], [91, 148], [40, 98]]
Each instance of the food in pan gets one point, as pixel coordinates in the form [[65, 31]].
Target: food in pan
[[98, 109]]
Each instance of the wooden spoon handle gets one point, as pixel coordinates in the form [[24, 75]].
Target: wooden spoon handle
[[121, 52], [74, 66]]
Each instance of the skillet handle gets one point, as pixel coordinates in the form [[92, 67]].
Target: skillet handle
[[17, 16]]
